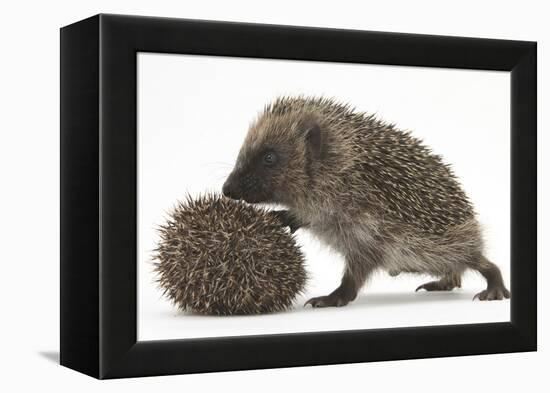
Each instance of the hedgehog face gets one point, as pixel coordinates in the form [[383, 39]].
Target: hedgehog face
[[252, 179], [275, 160]]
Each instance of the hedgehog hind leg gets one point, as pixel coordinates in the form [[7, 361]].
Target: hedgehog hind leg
[[495, 285], [448, 282]]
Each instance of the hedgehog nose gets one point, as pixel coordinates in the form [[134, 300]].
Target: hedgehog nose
[[228, 190], [225, 190]]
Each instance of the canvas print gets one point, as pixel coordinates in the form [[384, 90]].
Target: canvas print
[[281, 196]]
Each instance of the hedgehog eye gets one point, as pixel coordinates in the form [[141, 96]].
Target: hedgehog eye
[[270, 158]]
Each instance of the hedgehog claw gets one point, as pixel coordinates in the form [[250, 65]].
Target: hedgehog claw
[[326, 301], [497, 293], [423, 286], [435, 286], [446, 283]]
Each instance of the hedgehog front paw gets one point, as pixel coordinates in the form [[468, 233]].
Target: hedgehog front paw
[[496, 293], [327, 301], [288, 219]]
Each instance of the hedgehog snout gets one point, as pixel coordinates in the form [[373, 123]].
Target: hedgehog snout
[[247, 186], [229, 189]]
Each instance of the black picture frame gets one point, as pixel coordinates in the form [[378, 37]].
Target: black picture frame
[[98, 196]]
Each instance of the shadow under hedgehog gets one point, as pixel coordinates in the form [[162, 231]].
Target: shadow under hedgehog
[[372, 192]]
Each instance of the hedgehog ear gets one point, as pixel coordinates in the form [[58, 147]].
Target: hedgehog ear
[[313, 136]]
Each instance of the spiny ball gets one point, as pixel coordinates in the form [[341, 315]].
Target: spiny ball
[[220, 256]]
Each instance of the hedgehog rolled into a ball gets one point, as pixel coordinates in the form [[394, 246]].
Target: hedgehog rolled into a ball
[[221, 256]]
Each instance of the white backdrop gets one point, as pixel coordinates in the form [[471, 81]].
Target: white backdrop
[[29, 162], [193, 114]]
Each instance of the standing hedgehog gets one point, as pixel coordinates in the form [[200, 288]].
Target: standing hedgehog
[[370, 191]]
